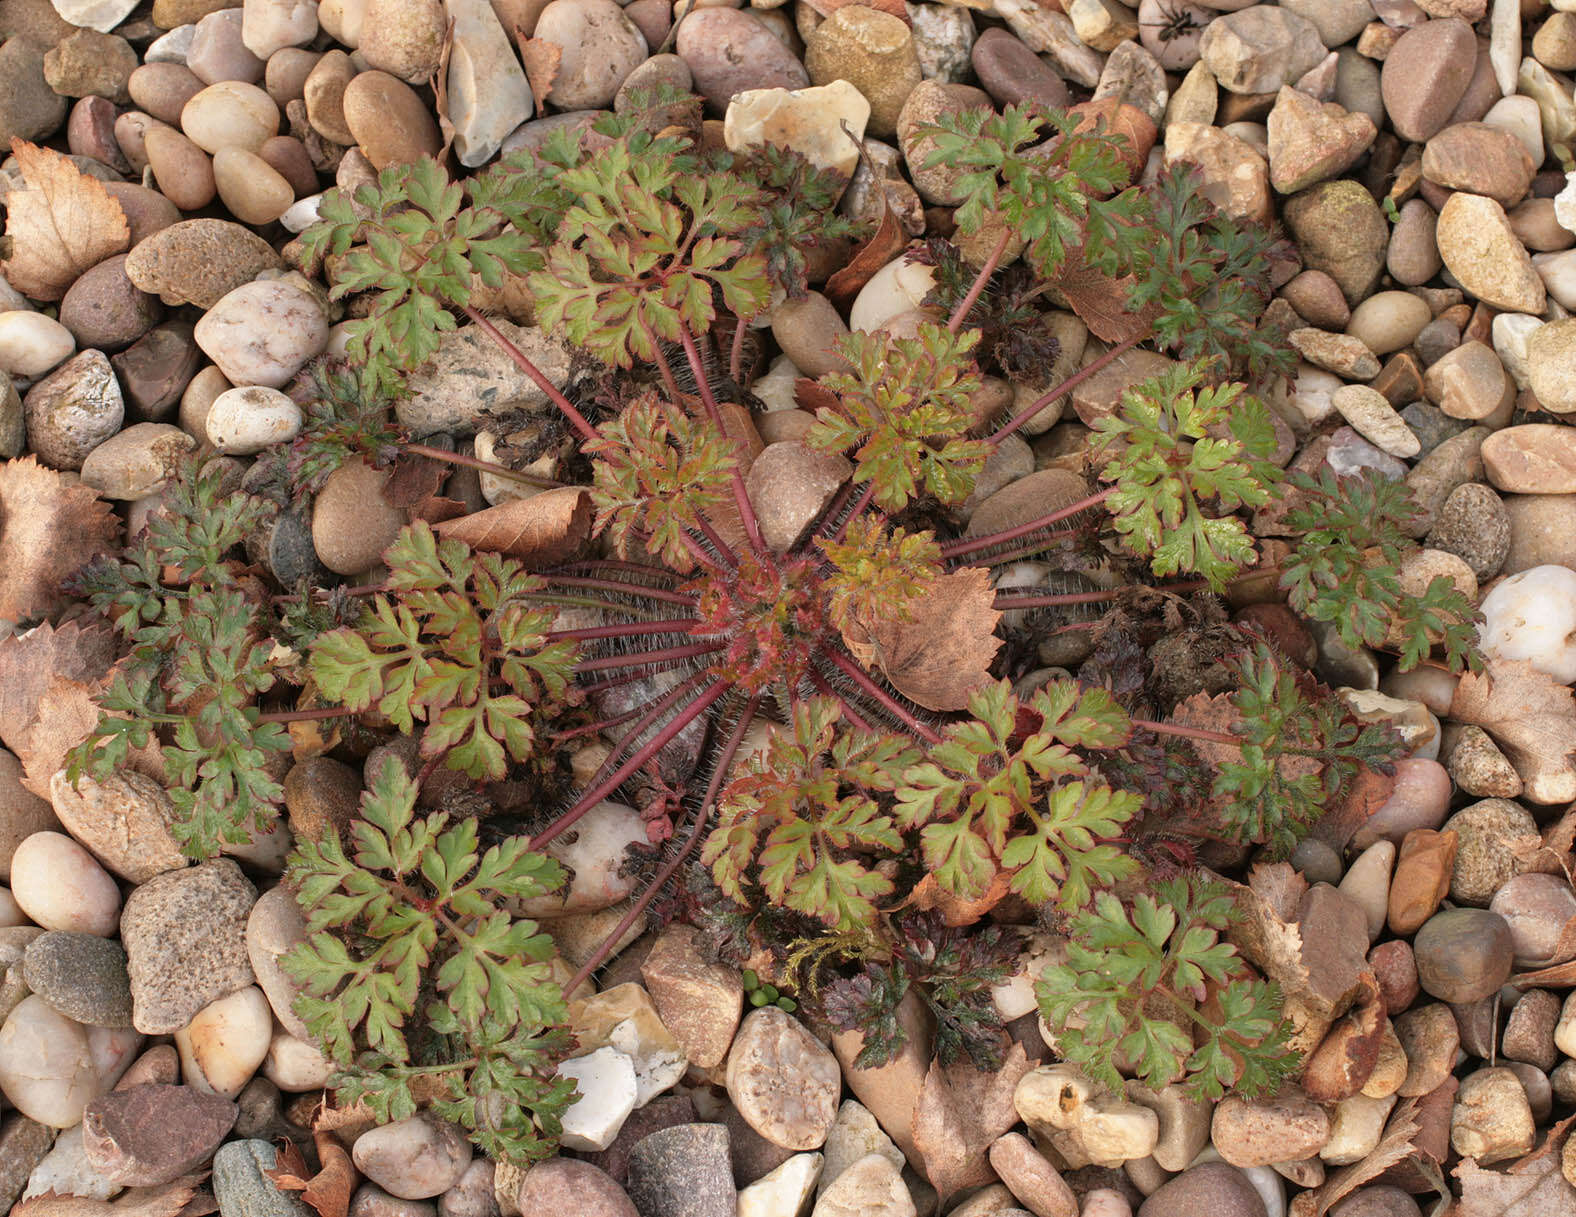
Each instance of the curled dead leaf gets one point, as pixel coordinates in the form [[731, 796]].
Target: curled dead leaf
[[541, 60], [1531, 717], [943, 651], [328, 1189], [1534, 1186], [62, 224], [954, 909], [889, 239], [542, 530], [167, 1200], [48, 529]]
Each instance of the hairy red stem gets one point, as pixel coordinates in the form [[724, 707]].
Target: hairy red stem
[[472, 462], [956, 549], [752, 527], [628, 589], [1013, 600], [1067, 386], [645, 658], [554, 394], [669, 625], [849, 708], [702, 814], [857, 510], [854, 673], [1199, 733], [646, 751], [306, 716], [955, 322]]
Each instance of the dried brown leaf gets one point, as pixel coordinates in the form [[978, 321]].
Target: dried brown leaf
[[943, 651], [1531, 717], [167, 1200], [542, 530], [28, 662], [541, 60], [1533, 1187], [440, 93], [960, 1111], [63, 224], [1267, 933], [888, 240], [328, 1190], [812, 395], [436, 509], [954, 909], [48, 529], [1397, 1144], [1101, 301]]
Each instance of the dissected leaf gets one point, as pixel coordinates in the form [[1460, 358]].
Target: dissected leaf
[[63, 224], [960, 1111], [1530, 716], [888, 240], [48, 529], [1532, 1187], [943, 652], [542, 530]]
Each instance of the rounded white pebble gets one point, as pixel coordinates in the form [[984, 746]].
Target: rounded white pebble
[[1532, 616], [10, 911], [226, 1041], [47, 1070], [31, 343], [244, 421], [60, 886], [294, 1065]]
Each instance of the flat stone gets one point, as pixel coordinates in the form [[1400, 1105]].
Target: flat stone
[[683, 1171], [148, 1135], [81, 975], [1532, 458], [1482, 251], [783, 1080]]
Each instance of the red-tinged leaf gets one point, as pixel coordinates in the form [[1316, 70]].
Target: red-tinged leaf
[[888, 240], [542, 530], [328, 1190]]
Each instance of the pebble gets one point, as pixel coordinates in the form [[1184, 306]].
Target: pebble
[[263, 333], [811, 123], [184, 934], [1426, 74], [270, 26], [1538, 908], [29, 108], [1310, 141], [1375, 419], [1481, 159], [1368, 880], [605, 1082], [1013, 74], [1463, 954], [730, 51], [137, 462], [1491, 1120], [699, 1002], [561, 1185], [181, 170], [1473, 524], [295, 1065], [1216, 1188], [875, 52], [1340, 230], [199, 261], [1259, 49], [83, 976], [403, 37], [414, 1158], [1422, 878], [683, 1171], [390, 121], [148, 1135], [488, 93], [1550, 363], [47, 1069], [469, 374], [249, 187], [31, 343], [1531, 458], [783, 1081], [123, 820], [790, 484], [60, 886], [242, 1187], [1256, 1132], [245, 421], [64, 1170], [1025, 1171], [1529, 1031], [784, 1191], [600, 47], [1468, 382], [854, 1135], [225, 1042], [623, 1017], [352, 522], [1388, 321], [1531, 616], [73, 410], [1480, 249]]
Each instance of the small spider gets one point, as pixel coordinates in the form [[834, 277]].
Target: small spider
[[1179, 22]]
